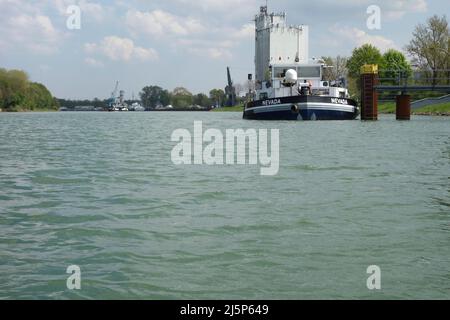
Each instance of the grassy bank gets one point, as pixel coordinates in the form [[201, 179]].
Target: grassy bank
[[437, 109], [229, 109], [388, 107], [22, 109]]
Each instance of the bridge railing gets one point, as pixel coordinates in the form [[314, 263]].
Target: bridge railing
[[414, 78], [415, 81]]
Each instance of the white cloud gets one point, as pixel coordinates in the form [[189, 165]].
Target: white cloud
[[219, 53], [35, 32], [93, 62], [405, 5], [395, 10], [205, 43], [161, 23], [26, 26], [234, 7], [189, 34], [391, 10], [92, 9], [120, 49], [220, 47], [211, 53], [359, 37], [247, 31], [145, 54]]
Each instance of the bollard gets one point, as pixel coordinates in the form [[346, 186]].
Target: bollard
[[369, 96], [403, 110]]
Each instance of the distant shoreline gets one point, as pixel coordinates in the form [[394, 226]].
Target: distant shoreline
[[219, 110], [28, 111]]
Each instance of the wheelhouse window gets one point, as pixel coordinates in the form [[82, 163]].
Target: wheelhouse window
[[303, 72], [279, 72], [309, 72]]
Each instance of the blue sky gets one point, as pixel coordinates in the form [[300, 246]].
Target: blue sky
[[175, 43]]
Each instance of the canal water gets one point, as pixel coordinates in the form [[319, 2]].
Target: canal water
[[99, 191]]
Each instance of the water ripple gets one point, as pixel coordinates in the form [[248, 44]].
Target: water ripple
[[98, 190]]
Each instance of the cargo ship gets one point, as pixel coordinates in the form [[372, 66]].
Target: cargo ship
[[288, 85]]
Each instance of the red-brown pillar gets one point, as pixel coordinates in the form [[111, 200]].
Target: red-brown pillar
[[369, 96], [403, 107]]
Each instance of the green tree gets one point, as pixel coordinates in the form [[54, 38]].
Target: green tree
[[165, 98], [44, 98], [152, 96], [1, 97], [181, 98], [16, 92], [395, 66], [367, 54], [430, 46], [202, 99], [335, 68], [448, 62], [97, 103], [217, 97], [13, 84], [56, 104]]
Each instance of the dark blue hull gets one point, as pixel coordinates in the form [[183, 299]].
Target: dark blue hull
[[302, 108], [303, 115]]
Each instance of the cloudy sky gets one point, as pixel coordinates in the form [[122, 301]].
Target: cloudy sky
[[174, 43]]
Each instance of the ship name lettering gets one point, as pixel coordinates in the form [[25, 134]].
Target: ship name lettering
[[339, 101], [271, 102]]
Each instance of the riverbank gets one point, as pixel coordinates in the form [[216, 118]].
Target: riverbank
[[21, 109], [442, 109], [229, 109], [383, 108]]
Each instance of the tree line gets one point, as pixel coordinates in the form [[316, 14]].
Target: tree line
[[153, 97], [96, 103], [429, 50], [17, 93]]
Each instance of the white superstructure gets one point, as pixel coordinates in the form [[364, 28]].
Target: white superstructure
[[288, 84], [278, 43], [280, 48]]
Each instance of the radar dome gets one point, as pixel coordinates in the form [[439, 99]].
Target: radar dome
[[291, 76]]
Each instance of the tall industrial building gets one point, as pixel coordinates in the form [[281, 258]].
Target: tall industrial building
[[278, 43]]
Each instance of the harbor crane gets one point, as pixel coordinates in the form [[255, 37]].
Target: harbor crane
[[114, 93], [230, 91], [113, 100]]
